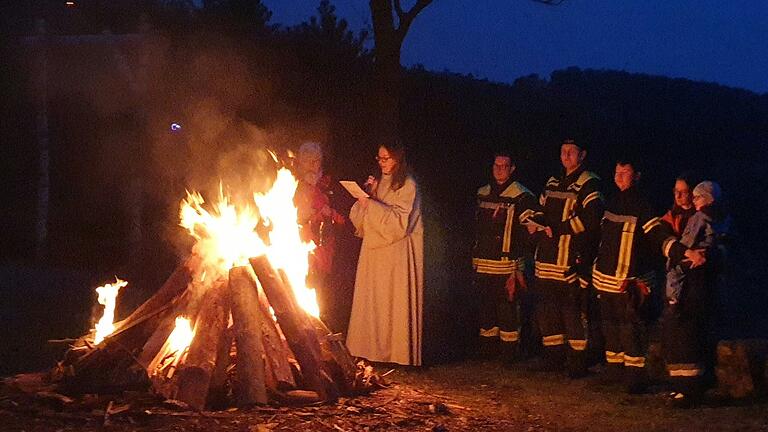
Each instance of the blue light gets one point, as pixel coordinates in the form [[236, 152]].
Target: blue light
[[175, 127]]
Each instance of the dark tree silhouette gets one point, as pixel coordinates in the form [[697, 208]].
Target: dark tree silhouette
[[391, 22]]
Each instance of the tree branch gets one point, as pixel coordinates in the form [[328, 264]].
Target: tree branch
[[406, 18]]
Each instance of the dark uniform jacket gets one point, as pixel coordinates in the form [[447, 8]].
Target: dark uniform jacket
[[631, 238], [572, 206], [500, 236]]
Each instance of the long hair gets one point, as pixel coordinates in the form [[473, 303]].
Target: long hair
[[396, 151]]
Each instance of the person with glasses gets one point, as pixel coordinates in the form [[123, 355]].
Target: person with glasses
[[689, 309], [504, 206], [387, 308]]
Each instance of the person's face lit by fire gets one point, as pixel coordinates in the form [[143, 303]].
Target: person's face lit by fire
[[387, 163], [625, 176], [311, 163], [502, 169], [683, 195], [571, 156]]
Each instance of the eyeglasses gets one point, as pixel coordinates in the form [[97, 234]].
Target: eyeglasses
[[383, 159]]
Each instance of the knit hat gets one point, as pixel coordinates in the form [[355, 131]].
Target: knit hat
[[709, 191]]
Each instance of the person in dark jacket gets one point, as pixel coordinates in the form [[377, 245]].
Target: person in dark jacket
[[566, 237], [688, 313], [503, 206], [623, 274]]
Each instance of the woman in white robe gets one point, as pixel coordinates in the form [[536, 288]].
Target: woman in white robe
[[386, 320]]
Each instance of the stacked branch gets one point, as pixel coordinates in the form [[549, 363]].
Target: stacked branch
[[251, 343]]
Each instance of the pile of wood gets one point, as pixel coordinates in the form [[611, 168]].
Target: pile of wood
[[253, 344]]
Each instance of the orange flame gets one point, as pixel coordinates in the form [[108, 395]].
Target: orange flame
[[287, 251], [227, 237], [174, 350], [107, 297]]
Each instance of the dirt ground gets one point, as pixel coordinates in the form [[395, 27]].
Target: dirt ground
[[464, 396]]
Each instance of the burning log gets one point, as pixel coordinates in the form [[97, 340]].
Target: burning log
[[247, 329], [196, 372], [250, 320], [279, 374], [298, 330], [171, 289]]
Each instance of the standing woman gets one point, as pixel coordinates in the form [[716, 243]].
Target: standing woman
[[386, 321]]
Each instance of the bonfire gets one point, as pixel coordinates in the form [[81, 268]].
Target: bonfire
[[235, 324]]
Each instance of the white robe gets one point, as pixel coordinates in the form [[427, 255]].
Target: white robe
[[386, 321]]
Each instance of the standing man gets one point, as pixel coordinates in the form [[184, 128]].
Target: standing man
[[503, 206], [572, 206], [624, 275]]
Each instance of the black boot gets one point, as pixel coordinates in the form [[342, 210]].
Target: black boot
[[510, 353], [552, 360], [613, 373], [488, 348], [576, 363], [635, 380]]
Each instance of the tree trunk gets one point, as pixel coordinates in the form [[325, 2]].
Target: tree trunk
[[388, 72]]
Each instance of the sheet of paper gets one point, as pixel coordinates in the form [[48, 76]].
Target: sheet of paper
[[354, 189]]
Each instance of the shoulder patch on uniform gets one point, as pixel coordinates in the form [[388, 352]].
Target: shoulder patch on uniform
[[586, 176], [514, 190]]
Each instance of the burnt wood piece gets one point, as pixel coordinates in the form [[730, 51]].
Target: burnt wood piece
[[173, 286], [279, 374], [298, 330], [337, 360], [218, 395], [194, 376], [247, 331], [156, 341], [132, 333]]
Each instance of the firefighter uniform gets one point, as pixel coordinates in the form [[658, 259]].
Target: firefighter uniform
[[623, 275], [498, 254], [571, 205]]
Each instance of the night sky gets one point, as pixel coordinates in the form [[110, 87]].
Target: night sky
[[723, 41]]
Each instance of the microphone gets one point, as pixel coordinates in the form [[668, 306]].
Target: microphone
[[368, 185]]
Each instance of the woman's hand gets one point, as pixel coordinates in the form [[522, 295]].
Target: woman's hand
[[370, 184]]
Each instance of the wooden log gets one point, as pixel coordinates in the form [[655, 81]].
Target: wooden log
[[155, 342], [279, 376], [337, 360], [299, 332], [194, 376], [172, 288], [247, 331], [218, 395], [338, 363], [128, 341]]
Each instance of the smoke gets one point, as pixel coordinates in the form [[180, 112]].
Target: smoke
[[216, 113]]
